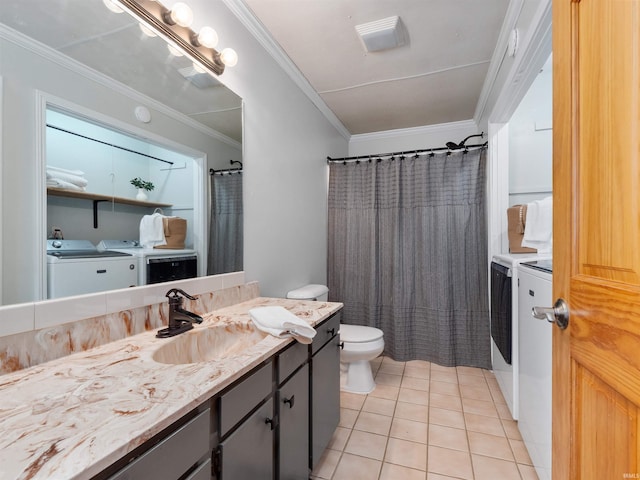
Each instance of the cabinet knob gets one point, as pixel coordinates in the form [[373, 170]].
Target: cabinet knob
[[271, 422], [331, 331], [290, 401]]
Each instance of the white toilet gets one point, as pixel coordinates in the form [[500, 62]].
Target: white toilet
[[360, 345]]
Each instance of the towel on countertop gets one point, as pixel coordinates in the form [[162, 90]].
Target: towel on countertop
[[281, 323], [538, 230], [152, 230]]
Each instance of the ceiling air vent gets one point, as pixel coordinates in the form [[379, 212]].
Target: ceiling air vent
[[382, 34]]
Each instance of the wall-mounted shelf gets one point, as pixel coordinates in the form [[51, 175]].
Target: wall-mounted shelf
[[97, 198]]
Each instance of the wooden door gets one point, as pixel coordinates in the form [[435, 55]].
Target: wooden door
[[596, 381]]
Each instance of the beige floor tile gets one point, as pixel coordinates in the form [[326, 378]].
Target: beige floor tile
[[487, 468], [520, 452], [477, 392], [472, 380], [416, 372], [413, 411], [445, 401], [351, 467], [327, 464], [419, 363], [415, 383], [409, 395], [398, 472], [528, 472], [409, 430], [385, 391], [496, 394], [373, 423], [479, 407], [366, 444], [441, 368], [483, 424], [490, 446], [452, 463], [351, 400], [391, 361], [348, 417], [471, 371], [339, 439], [388, 379], [503, 411], [447, 437], [511, 429], [391, 369], [382, 406], [437, 476], [447, 418], [444, 388], [407, 454], [444, 376]]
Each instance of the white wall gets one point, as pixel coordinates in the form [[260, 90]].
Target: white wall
[[531, 142], [432, 136], [286, 141]]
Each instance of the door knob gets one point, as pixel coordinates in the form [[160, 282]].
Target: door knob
[[558, 314]]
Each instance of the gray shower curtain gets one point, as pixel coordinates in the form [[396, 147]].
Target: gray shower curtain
[[226, 224], [408, 254]]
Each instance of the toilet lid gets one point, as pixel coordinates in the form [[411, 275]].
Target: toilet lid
[[359, 333]]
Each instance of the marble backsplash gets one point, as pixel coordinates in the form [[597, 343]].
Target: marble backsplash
[[29, 348]]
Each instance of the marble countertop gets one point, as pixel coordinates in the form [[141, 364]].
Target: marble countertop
[[72, 417]]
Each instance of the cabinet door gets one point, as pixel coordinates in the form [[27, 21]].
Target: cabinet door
[[247, 454], [325, 397], [294, 426]]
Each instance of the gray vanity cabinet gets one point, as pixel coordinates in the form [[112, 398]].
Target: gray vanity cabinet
[[325, 386], [293, 408]]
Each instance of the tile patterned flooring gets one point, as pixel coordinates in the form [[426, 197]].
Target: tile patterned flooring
[[426, 422]]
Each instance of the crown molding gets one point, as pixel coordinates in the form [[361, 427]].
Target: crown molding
[[73, 65], [255, 28], [425, 130]]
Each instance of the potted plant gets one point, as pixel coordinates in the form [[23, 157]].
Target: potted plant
[[142, 185]]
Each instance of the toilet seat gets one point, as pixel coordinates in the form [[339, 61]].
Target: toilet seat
[[359, 334]]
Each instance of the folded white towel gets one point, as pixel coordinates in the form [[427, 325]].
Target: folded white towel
[[67, 177], [58, 183], [79, 173], [538, 229], [152, 230], [281, 323]]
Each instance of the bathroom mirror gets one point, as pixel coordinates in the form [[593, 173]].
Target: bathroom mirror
[[115, 46]]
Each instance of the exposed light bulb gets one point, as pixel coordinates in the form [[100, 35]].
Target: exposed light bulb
[[207, 37], [175, 51], [229, 57], [112, 6], [182, 14], [199, 68], [146, 30]]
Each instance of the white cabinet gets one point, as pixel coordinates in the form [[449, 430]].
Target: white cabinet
[[535, 351]]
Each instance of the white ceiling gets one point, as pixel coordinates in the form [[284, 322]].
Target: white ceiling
[[437, 77]]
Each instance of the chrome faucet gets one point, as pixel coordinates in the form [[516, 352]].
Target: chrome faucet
[[180, 320]]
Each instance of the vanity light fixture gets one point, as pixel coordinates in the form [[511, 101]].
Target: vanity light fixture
[[146, 30], [173, 24]]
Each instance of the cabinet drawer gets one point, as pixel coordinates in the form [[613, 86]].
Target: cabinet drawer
[[174, 455], [292, 358], [326, 331], [203, 472], [241, 399]]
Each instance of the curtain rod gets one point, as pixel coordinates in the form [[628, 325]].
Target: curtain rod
[[406, 152], [109, 144], [230, 170]]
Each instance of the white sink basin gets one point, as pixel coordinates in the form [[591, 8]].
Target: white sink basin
[[209, 343]]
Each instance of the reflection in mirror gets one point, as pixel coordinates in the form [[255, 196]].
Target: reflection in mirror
[[199, 117]]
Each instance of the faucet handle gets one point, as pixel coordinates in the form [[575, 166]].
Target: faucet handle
[[176, 292]]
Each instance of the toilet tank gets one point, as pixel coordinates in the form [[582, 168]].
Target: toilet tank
[[310, 292]]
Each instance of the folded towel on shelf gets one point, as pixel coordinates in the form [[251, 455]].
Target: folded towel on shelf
[[78, 173], [538, 230], [152, 230], [67, 177], [281, 323], [58, 183]]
